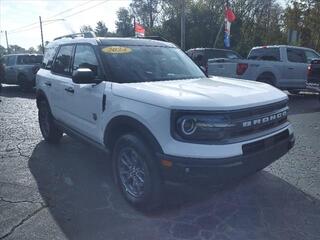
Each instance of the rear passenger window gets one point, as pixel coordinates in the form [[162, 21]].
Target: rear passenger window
[[296, 55], [62, 62], [10, 60], [49, 54], [85, 58], [266, 54], [311, 55]]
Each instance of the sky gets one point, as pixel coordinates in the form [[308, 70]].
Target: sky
[[21, 18]]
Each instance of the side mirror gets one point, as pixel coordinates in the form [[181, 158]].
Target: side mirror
[[83, 76]]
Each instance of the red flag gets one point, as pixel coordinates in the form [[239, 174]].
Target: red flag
[[139, 30], [230, 16]]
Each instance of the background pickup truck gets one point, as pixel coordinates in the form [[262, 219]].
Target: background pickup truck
[[313, 82], [21, 69], [285, 67]]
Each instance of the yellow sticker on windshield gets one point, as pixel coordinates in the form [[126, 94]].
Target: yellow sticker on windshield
[[116, 50]]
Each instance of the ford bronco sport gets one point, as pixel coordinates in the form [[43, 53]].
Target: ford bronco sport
[[157, 114]]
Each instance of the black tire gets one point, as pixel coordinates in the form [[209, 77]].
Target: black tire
[[50, 132], [149, 193], [267, 78], [294, 92]]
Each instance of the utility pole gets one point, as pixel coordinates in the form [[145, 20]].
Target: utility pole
[[42, 44], [134, 26], [8, 49], [183, 24]]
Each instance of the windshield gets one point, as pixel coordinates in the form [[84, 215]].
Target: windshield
[[148, 63], [29, 59]]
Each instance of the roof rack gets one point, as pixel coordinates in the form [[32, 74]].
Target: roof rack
[[74, 35]]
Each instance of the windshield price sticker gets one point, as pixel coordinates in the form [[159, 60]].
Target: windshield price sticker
[[117, 50]]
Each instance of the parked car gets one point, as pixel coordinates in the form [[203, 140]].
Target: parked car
[[313, 82], [201, 56], [20, 69], [157, 114], [284, 67]]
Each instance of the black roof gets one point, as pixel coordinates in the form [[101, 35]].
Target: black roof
[[133, 42]]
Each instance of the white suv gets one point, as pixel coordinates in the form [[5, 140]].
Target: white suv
[[155, 111]]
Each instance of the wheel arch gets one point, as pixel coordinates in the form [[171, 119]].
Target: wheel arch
[[40, 96], [269, 74], [120, 125]]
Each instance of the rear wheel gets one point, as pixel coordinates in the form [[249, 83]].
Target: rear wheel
[[136, 172], [268, 78], [50, 132]]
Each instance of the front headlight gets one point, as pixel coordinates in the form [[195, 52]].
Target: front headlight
[[200, 127]]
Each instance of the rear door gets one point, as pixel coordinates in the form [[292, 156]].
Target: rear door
[[10, 70], [62, 91], [87, 105], [296, 69]]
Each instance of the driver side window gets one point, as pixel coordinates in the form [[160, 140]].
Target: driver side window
[[85, 58]]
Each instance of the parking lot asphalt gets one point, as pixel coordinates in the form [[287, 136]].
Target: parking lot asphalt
[[67, 191]]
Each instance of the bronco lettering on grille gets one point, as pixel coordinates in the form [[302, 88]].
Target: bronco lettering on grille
[[264, 120]]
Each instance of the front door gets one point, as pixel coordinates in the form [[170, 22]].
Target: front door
[[87, 104]]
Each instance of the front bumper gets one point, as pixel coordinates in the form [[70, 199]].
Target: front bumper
[[256, 156]]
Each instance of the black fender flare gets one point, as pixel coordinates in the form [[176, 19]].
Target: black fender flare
[[120, 125], [40, 96]]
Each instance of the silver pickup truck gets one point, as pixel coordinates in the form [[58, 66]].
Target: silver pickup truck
[[285, 67], [21, 69]]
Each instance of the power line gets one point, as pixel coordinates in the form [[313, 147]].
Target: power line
[[86, 9], [36, 23], [71, 15]]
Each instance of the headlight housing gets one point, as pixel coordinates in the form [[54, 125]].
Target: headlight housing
[[200, 127], [225, 127]]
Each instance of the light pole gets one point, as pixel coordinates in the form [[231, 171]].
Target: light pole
[[41, 29]]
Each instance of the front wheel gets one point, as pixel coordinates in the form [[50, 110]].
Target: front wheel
[[50, 132], [137, 173]]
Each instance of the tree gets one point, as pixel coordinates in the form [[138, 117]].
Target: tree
[[124, 26], [86, 28], [146, 11], [101, 30], [2, 51], [16, 49], [32, 50]]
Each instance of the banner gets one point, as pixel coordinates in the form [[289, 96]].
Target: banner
[[229, 18], [139, 30]]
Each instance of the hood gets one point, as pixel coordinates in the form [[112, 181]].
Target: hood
[[216, 93]]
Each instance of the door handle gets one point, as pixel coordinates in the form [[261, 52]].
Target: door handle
[[291, 68], [69, 89], [48, 84]]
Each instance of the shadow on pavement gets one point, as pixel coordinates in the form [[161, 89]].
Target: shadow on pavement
[[76, 183], [304, 103], [10, 91]]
